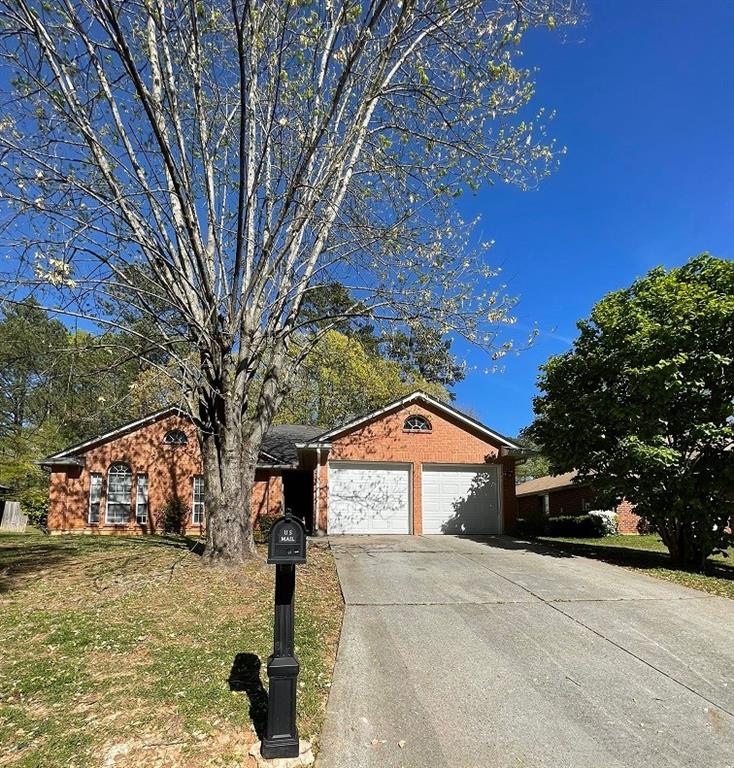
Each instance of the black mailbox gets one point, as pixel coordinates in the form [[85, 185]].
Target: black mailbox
[[287, 543], [286, 548]]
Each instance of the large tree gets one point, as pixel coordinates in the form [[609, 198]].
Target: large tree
[[340, 379], [419, 350], [209, 162], [643, 404]]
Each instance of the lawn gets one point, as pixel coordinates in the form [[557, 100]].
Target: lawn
[[649, 554], [132, 652]]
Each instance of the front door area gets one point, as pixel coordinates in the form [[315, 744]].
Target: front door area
[[298, 495]]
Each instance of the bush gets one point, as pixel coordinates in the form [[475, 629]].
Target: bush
[[174, 516], [263, 524], [34, 504], [531, 525], [581, 526], [608, 520]]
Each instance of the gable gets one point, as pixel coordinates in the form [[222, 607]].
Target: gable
[[74, 452], [385, 438], [418, 398], [146, 447]]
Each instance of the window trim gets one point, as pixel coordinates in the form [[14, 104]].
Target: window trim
[[194, 503], [92, 477], [141, 476], [418, 430], [107, 495], [177, 442]]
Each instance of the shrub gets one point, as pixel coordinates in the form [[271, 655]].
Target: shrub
[[581, 526], [34, 504], [608, 520], [174, 516], [531, 525], [263, 524]]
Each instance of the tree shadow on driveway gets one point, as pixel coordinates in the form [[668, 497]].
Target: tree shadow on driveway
[[515, 545]]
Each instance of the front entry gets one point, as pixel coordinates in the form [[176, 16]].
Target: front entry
[[298, 495]]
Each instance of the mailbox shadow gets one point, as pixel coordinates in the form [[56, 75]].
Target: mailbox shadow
[[245, 676]]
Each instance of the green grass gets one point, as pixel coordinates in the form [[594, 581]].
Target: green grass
[[649, 554], [120, 651]]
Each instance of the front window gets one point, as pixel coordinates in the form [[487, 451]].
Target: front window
[[417, 424], [197, 508], [95, 496], [141, 500], [119, 487], [546, 504]]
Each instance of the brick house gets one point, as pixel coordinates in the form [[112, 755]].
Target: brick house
[[415, 466], [556, 495]]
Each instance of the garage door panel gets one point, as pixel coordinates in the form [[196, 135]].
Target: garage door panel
[[369, 498], [461, 500]]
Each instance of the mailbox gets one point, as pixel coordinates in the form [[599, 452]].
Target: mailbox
[[286, 548], [287, 542]]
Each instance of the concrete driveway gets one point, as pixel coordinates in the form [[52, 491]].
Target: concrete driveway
[[482, 653]]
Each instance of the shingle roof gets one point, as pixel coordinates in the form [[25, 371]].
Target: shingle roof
[[545, 484], [280, 441]]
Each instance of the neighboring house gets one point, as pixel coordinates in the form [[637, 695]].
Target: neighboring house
[[556, 495], [414, 466], [4, 491]]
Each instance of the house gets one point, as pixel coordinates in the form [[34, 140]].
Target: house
[[4, 491], [556, 495], [415, 466]]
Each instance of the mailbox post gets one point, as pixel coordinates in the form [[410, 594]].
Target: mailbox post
[[286, 549]]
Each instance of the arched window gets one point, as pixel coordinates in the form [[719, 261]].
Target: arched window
[[417, 424], [119, 486], [175, 437]]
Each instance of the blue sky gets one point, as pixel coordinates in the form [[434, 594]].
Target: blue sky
[[644, 94]]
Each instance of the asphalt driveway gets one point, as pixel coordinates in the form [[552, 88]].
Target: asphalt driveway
[[486, 653]]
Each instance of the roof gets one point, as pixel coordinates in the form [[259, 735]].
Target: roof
[[70, 455], [417, 396], [278, 446], [280, 441], [547, 483]]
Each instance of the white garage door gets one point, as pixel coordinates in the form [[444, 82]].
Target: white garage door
[[369, 498], [461, 499]]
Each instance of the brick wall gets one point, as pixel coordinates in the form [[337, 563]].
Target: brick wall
[[628, 520], [448, 442], [170, 470], [267, 494], [571, 501], [529, 505]]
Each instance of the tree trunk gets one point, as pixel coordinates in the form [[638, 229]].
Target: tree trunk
[[686, 551], [229, 475]]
